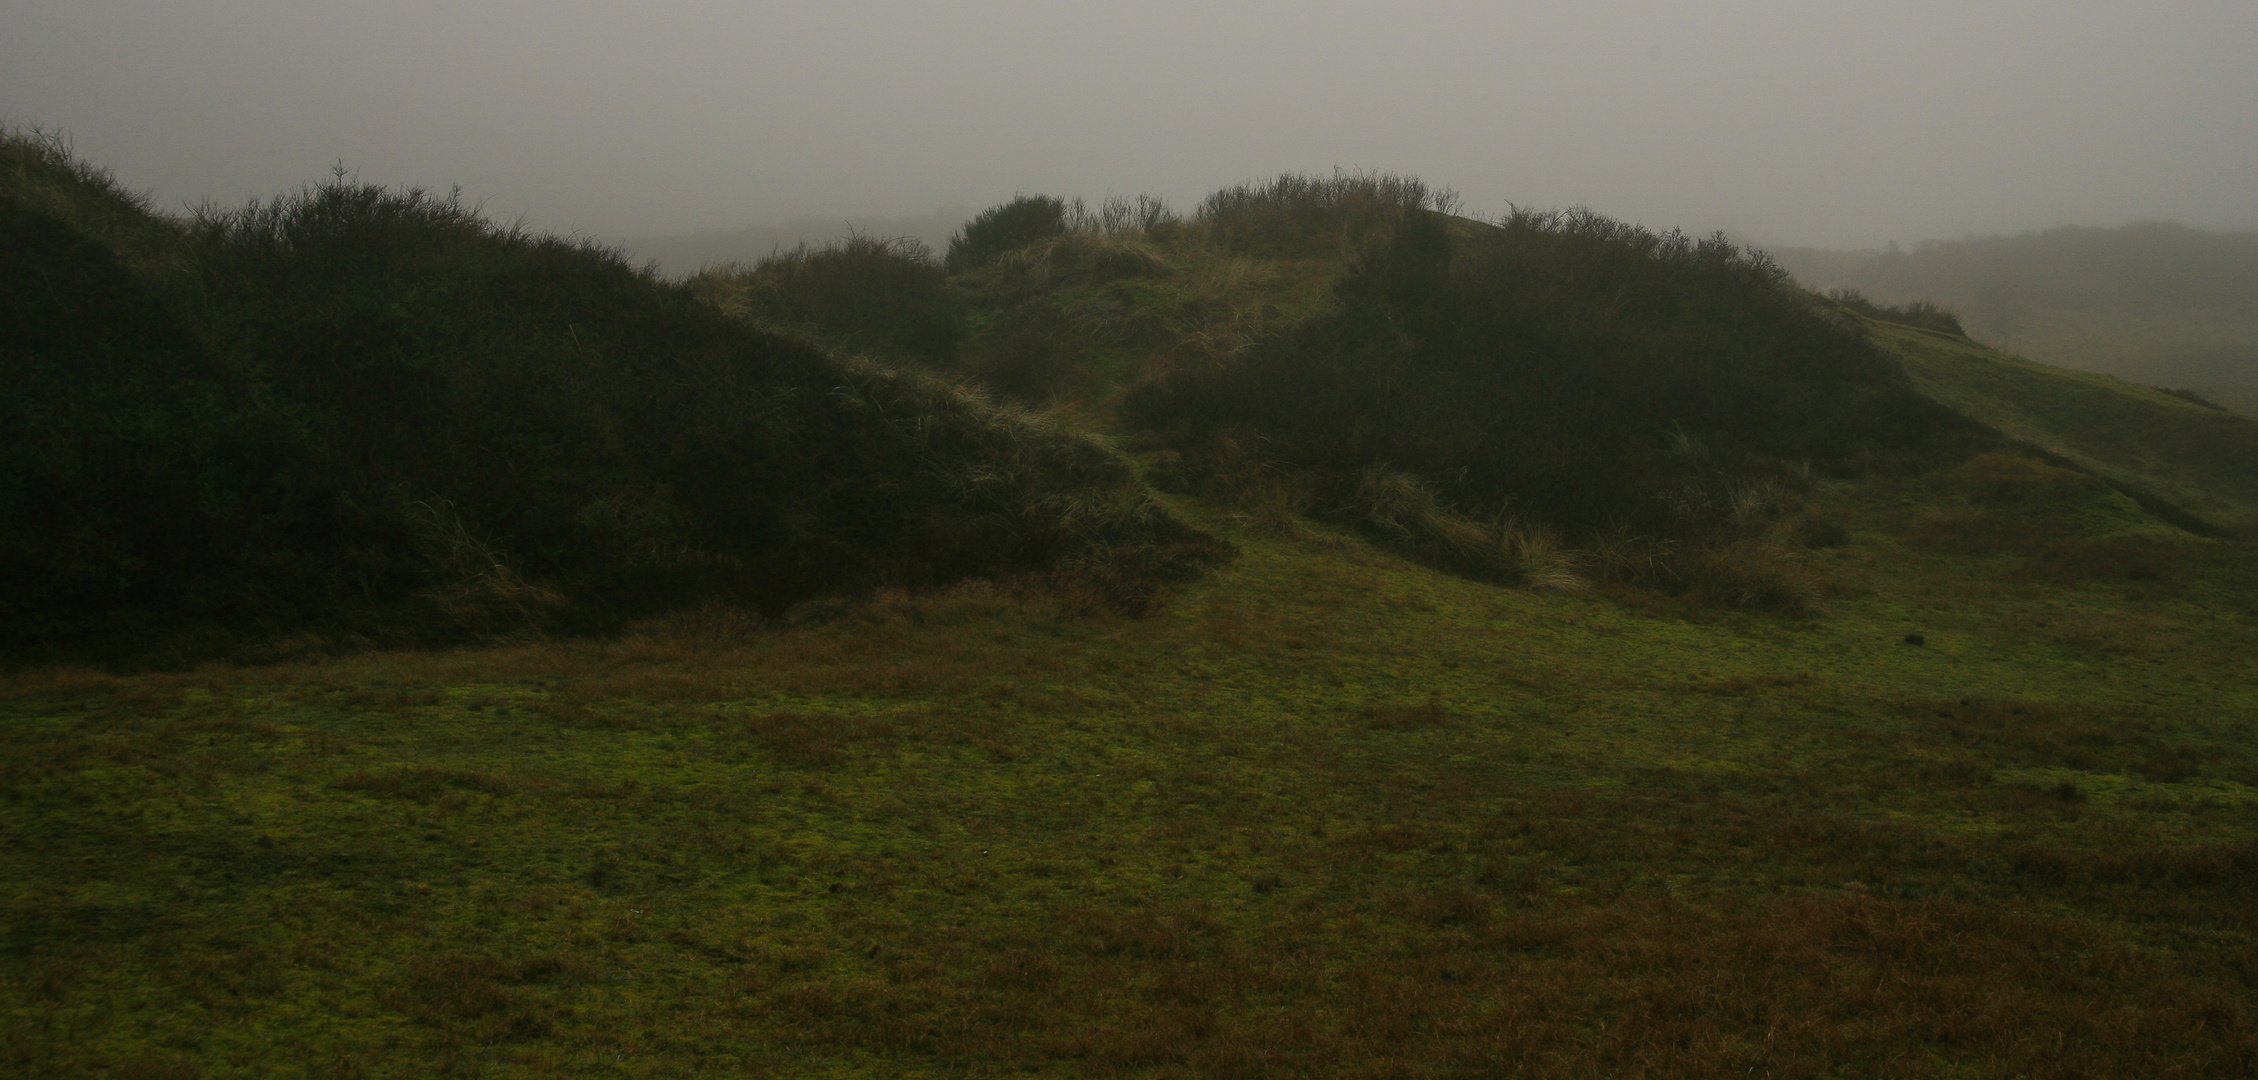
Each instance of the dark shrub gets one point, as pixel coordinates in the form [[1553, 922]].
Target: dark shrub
[[883, 296], [1004, 227], [1564, 369]]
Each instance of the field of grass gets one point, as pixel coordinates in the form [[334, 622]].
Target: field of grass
[[1328, 814]]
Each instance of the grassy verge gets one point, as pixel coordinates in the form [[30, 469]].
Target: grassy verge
[[1329, 814]]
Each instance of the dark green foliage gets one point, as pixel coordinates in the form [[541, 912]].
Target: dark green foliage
[[884, 296], [1004, 227], [1564, 368], [1920, 313], [111, 416], [376, 411]]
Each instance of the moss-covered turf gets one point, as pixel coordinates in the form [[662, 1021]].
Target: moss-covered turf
[[1329, 814]]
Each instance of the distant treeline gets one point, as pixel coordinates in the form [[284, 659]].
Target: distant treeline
[[2154, 302]]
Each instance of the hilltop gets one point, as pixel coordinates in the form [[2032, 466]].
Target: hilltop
[[679, 254], [1318, 634]]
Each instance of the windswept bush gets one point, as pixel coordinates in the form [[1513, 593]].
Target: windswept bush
[[886, 296], [1004, 227], [374, 412]]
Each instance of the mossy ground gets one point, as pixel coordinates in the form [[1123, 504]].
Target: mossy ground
[[1330, 813]]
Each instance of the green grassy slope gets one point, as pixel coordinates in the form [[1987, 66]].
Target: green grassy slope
[[2199, 462], [1333, 814]]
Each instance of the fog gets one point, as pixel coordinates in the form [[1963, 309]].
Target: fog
[[1834, 125]]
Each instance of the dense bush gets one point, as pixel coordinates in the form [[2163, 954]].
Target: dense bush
[[884, 296], [1557, 369], [375, 410], [1003, 228]]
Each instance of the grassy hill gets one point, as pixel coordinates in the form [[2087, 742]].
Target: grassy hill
[[2188, 461], [2155, 303], [1631, 665], [360, 416]]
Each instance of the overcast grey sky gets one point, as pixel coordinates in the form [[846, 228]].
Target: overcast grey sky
[[1836, 124]]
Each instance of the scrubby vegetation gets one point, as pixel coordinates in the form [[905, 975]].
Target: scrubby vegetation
[[2153, 302], [886, 296], [886, 758], [373, 414], [1002, 228], [1654, 398]]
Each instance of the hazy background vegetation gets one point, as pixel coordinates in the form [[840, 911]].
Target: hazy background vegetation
[[1839, 126], [686, 253], [691, 132], [2155, 302]]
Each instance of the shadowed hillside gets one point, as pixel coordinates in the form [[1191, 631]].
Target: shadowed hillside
[[373, 415], [1546, 398], [1556, 398]]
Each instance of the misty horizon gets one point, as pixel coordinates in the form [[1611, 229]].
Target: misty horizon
[[1845, 127]]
